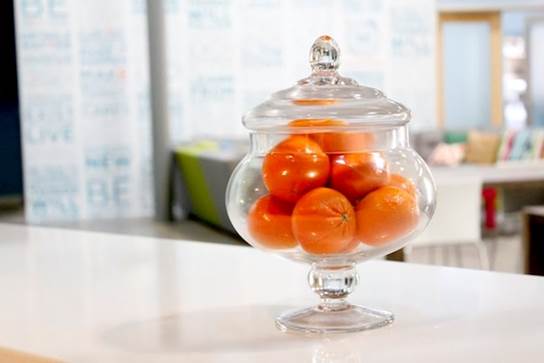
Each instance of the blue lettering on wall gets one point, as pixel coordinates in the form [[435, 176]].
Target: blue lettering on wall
[[55, 9]]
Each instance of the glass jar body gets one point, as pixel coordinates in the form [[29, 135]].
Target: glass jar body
[[286, 195]]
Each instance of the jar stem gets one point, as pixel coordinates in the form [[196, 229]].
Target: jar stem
[[333, 284]]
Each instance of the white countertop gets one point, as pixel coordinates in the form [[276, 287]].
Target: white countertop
[[91, 297]]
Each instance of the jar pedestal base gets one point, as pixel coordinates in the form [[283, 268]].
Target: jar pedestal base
[[319, 320]]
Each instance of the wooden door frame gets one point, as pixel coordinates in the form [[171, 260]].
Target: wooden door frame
[[495, 42]]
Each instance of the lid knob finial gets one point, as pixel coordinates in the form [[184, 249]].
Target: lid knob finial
[[324, 54]]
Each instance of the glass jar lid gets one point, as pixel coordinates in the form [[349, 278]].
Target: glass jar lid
[[326, 95]]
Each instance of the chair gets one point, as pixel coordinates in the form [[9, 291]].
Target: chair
[[457, 220]]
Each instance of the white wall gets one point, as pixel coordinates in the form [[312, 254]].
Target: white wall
[[83, 87], [228, 56]]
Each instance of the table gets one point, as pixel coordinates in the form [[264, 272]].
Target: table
[[92, 297], [533, 239]]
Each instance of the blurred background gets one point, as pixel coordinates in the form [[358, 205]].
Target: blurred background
[[103, 100]]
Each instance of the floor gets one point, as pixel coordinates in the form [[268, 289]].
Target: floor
[[188, 230], [505, 253]]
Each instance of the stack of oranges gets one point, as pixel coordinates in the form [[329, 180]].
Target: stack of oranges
[[329, 197]]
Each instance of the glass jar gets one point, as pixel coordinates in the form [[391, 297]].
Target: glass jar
[[330, 180]]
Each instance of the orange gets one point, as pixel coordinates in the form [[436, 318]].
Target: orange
[[356, 175], [345, 142], [294, 167], [324, 222], [386, 215], [336, 142], [309, 122], [269, 222], [314, 101], [399, 181], [352, 245]]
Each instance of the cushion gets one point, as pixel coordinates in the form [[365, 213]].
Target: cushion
[[482, 147]]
